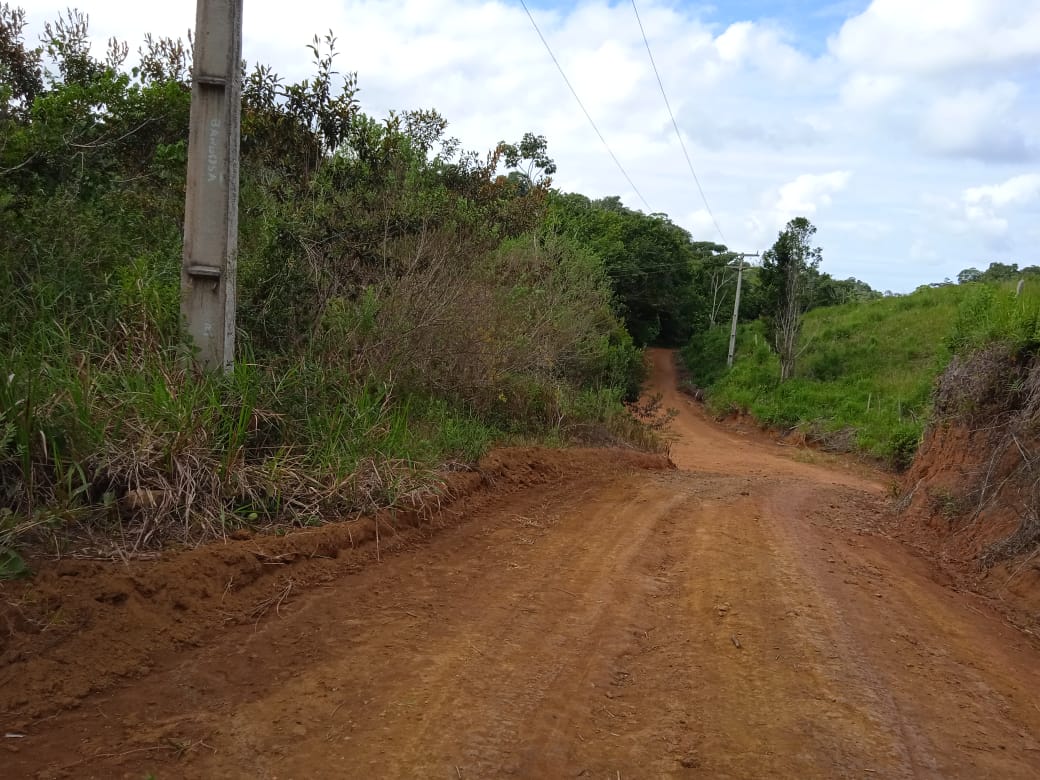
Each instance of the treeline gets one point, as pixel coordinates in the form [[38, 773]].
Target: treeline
[[671, 287], [997, 272]]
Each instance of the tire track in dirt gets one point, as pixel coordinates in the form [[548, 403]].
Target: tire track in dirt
[[958, 677], [797, 686]]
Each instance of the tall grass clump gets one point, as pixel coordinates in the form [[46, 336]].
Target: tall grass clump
[[997, 314]]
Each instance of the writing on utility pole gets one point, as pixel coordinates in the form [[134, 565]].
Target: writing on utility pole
[[736, 308], [208, 268]]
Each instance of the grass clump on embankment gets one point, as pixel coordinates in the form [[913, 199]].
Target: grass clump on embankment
[[997, 314], [863, 380]]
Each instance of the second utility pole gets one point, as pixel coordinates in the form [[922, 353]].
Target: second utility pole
[[736, 309]]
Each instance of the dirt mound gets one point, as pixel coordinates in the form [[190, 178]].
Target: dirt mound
[[972, 494], [78, 625]]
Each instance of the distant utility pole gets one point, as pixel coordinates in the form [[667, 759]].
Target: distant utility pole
[[736, 308], [211, 204]]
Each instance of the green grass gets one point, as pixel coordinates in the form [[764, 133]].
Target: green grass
[[82, 434], [992, 314], [87, 430], [866, 371]]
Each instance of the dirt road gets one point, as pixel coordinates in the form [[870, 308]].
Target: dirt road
[[737, 617]]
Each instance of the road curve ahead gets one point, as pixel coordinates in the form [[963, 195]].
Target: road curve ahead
[[739, 617]]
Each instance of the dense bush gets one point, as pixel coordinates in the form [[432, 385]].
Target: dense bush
[[402, 303]]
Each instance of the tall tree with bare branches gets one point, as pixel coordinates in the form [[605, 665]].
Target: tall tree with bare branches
[[788, 270]]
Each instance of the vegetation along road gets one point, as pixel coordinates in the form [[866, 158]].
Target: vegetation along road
[[740, 615]]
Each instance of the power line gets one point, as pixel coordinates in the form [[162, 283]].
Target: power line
[[675, 125], [640, 270], [585, 110], [668, 266]]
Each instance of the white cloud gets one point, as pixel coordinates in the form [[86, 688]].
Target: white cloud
[[948, 73], [775, 133], [976, 123], [984, 208], [1018, 189], [700, 223], [611, 64], [935, 36], [803, 196], [922, 251], [735, 44], [762, 46], [866, 91], [863, 228]]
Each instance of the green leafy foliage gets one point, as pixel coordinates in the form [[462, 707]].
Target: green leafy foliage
[[998, 272], [789, 269], [402, 303], [11, 565], [649, 261]]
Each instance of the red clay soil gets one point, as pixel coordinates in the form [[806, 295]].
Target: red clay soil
[[594, 615], [78, 625], [945, 518]]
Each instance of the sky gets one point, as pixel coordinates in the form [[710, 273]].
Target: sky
[[907, 131]]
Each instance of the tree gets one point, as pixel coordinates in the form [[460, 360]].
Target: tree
[[21, 77], [530, 158], [999, 272], [715, 278], [828, 291], [969, 275], [648, 258], [787, 270]]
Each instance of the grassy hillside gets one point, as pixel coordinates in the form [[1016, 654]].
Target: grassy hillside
[[866, 371], [863, 379]]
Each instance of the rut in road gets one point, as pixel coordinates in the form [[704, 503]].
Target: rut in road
[[738, 617]]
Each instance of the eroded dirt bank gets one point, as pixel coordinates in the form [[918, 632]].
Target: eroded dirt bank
[[972, 495], [738, 617]]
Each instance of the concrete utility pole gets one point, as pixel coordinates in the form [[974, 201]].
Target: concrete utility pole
[[211, 204], [736, 309]]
